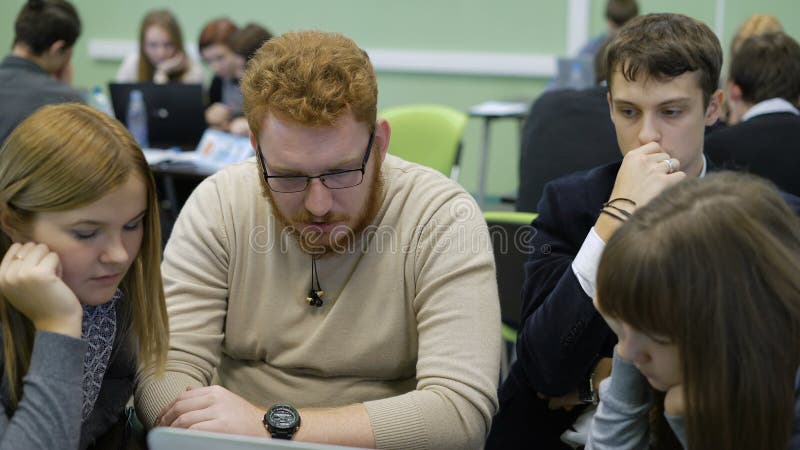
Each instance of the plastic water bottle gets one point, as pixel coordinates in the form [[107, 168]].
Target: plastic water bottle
[[576, 78], [99, 100], [136, 118]]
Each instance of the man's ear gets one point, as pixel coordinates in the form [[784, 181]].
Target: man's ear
[[714, 107], [254, 142], [610, 108], [383, 131], [57, 47], [734, 91]]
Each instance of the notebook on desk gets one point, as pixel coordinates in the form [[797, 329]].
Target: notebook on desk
[[175, 112], [164, 438]]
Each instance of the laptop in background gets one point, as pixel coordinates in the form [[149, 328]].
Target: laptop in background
[[163, 438], [175, 112], [574, 73]]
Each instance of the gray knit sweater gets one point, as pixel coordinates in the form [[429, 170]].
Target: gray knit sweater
[[49, 414]]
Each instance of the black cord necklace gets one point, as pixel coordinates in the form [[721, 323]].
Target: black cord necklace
[[316, 293]]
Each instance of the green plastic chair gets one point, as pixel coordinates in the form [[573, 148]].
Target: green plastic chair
[[510, 232], [427, 134]]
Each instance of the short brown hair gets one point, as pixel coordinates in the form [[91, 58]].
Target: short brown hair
[[312, 78], [753, 25], [711, 265], [40, 23], [248, 40], [218, 31], [767, 66], [621, 11], [665, 46]]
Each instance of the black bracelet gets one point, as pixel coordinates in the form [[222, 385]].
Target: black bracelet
[[616, 216], [619, 210], [619, 199]]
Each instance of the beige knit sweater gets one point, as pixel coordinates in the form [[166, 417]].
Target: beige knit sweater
[[410, 325]]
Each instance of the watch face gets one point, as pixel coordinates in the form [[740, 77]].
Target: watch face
[[283, 417]]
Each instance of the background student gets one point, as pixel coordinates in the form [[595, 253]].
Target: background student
[[38, 70], [711, 343], [161, 57], [764, 86], [224, 93], [81, 298], [244, 43]]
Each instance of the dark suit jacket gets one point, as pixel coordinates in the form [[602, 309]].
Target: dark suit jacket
[[566, 131], [767, 145], [562, 335]]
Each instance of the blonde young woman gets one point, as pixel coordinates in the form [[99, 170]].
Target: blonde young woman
[[701, 286], [81, 297], [161, 57]]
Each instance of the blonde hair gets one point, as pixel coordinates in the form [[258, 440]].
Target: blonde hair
[[753, 26], [63, 157], [312, 78], [165, 20]]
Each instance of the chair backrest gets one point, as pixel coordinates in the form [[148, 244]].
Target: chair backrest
[[566, 131], [510, 232], [426, 134]]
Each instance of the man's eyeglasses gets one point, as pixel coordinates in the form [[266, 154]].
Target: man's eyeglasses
[[337, 179]]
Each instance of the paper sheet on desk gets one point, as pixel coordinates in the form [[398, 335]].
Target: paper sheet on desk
[[216, 150], [498, 108], [157, 156]]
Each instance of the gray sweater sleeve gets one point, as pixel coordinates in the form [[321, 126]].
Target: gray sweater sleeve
[[49, 414], [621, 420]]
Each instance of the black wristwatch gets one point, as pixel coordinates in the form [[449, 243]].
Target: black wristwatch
[[282, 421], [586, 393]]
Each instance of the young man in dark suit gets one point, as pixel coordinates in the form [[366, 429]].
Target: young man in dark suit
[[662, 72], [764, 86]]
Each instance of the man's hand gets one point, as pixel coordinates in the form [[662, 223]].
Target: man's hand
[[213, 408], [673, 401], [240, 127], [566, 402], [64, 74], [643, 175]]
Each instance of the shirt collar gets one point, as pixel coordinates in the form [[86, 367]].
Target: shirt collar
[[773, 105], [705, 167]]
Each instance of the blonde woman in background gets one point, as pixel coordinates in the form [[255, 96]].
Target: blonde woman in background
[[161, 57]]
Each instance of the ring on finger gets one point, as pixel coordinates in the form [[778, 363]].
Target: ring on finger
[[671, 167]]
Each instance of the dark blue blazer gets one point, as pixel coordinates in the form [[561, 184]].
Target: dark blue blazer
[[767, 145], [562, 335]]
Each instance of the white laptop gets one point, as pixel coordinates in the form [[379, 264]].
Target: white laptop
[[164, 438]]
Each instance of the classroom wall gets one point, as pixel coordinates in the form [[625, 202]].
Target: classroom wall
[[536, 27]]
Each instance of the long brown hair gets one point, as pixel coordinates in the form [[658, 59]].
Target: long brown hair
[[164, 19], [712, 264], [63, 157]]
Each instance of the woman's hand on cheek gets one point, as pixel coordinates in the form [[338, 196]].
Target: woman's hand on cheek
[[30, 281], [673, 401]]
